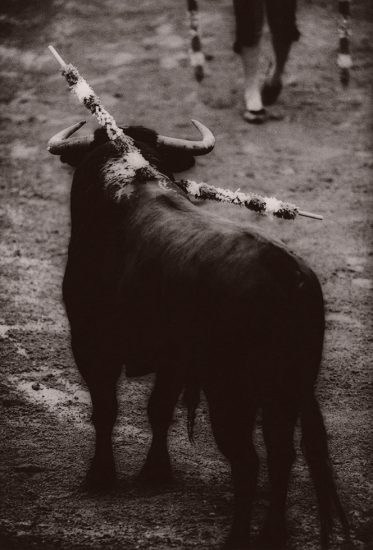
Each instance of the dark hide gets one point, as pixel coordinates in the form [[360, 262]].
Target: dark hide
[[158, 285]]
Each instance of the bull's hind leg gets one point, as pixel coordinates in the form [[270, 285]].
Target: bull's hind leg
[[232, 416], [162, 402], [101, 375], [279, 419]]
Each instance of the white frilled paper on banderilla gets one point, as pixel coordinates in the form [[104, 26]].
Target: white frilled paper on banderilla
[[87, 96], [126, 145], [252, 201]]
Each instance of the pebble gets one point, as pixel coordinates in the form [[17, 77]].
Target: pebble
[[22, 151], [363, 154], [122, 58], [341, 318], [356, 263], [24, 524], [287, 171], [169, 62], [363, 283]]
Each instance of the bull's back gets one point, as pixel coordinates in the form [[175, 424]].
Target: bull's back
[[180, 282], [221, 286]]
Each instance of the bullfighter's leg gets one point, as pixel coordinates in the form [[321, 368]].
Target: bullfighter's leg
[[279, 419], [232, 415], [282, 23], [249, 15], [100, 374], [167, 388]]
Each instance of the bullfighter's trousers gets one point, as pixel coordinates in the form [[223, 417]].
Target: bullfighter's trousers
[[281, 17]]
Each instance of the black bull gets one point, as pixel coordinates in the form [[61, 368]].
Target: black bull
[[157, 284]]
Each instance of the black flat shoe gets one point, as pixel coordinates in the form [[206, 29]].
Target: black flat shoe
[[270, 92], [255, 117]]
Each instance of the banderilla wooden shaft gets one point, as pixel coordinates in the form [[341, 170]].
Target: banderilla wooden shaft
[[57, 56], [309, 215], [63, 65]]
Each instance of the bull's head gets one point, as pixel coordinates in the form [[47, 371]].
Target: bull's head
[[174, 153]]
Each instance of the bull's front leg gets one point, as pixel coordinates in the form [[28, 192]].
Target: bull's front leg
[[102, 473], [166, 391], [100, 373]]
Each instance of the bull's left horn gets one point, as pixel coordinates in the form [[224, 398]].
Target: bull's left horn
[[201, 147], [59, 143]]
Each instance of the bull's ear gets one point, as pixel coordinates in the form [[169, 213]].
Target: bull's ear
[[100, 137], [73, 158], [140, 133], [177, 161]]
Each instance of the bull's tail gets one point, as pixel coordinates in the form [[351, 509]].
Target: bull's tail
[[315, 449], [191, 398]]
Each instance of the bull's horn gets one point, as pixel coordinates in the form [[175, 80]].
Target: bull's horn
[[60, 143], [201, 147]]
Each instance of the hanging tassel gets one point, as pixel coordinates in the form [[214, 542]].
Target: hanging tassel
[[196, 56], [344, 60]]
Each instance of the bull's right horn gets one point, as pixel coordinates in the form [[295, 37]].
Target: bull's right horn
[[201, 147], [59, 143]]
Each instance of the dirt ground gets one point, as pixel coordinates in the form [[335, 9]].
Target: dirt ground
[[317, 154]]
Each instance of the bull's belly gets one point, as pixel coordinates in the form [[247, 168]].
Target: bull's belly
[[135, 368]]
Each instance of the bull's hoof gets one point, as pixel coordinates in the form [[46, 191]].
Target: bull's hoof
[[90, 485], [234, 543], [265, 544], [272, 538], [270, 92], [155, 475], [157, 469], [255, 117], [101, 483], [100, 477]]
